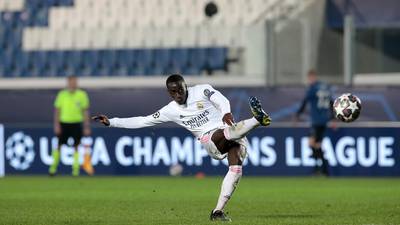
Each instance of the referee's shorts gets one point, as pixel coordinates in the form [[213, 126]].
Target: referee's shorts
[[68, 130]]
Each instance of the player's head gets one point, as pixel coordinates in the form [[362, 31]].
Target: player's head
[[72, 83], [312, 76], [177, 88]]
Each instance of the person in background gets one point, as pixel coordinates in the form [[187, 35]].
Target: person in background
[[71, 119], [320, 98]]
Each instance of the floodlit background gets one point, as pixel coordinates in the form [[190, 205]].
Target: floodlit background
[[123, 50]]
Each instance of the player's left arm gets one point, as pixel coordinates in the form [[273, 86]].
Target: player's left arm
[[220, 102], [303, 104], [86, 115], [86, 123]]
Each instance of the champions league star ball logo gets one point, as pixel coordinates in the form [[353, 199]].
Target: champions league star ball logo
[[19, 151]]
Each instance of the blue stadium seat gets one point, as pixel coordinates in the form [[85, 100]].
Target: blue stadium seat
[[90, 62], [16, 37], [162, 58], [73, 61], [180, 59], [216, 58], [124, 58], [197, 58], [144, 62], [93, 62], [191, 70], [38, 59], [107, 62], [23, 63], [7, 58], [56, 62]]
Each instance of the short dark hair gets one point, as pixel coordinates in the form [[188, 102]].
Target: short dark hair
[[174, 78], [72, 77], [312, 72]]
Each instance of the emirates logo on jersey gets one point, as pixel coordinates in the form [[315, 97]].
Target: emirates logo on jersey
[[197, 121]]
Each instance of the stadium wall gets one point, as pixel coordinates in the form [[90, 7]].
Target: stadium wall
[[35, 107]]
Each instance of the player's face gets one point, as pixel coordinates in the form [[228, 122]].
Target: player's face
[[178, 92], [312, 77], [72, 83]]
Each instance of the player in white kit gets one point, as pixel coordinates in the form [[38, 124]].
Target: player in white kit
[[207, 114]]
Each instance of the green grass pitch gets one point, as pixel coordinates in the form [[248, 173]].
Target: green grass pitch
[[186, 200]]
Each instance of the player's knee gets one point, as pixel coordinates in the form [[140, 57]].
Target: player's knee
[[311, 141], [230, 134]]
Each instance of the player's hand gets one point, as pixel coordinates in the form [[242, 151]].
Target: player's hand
[[87, 131], [333, 125], [102, 119], [57, 129], [228, 119]]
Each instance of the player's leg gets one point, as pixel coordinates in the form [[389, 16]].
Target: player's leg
[[260, 118], [232, 178], [62, 139], [320, 130], [87, 164], [76, 133], [315, 144], [55, 154]]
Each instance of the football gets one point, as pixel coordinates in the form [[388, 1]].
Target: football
[[347, 107]]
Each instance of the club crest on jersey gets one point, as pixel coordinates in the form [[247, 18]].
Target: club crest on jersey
[[199, 105], [156, 115], [208, 93]]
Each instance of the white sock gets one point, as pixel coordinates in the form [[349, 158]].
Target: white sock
[[228, 186], [240, 129]]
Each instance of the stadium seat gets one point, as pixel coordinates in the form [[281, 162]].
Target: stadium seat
[[197, 58], [123, 37], [143, 61], [179, 59], [216, 58], [161, 60]]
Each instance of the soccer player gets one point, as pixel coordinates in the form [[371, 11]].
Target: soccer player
[[319, 96], [207, 114], [71, 119]]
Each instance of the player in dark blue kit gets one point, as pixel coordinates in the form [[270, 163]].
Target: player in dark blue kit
[[319, 96]]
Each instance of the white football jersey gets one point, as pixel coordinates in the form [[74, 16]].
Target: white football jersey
[[202, 112]]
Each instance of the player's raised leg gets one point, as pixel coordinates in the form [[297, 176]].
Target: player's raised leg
[[260, 118]]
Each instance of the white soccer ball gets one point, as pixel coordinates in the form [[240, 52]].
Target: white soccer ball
[[176, 170], [347, 107]]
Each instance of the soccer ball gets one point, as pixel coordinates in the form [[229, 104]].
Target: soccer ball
[[176, 170], [347, 107]]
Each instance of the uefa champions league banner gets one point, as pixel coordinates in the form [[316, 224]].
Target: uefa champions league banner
[[152, 151]]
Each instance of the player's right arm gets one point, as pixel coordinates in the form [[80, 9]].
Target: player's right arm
[[56, 116], [57, 126], [135, 122], [220, 102]]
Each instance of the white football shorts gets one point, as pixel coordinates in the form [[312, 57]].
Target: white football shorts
[[212, 150]]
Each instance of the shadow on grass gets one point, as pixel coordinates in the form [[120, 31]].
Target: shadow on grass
[[281, 216]]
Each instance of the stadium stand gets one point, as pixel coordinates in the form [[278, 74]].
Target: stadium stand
[[52, 38]]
